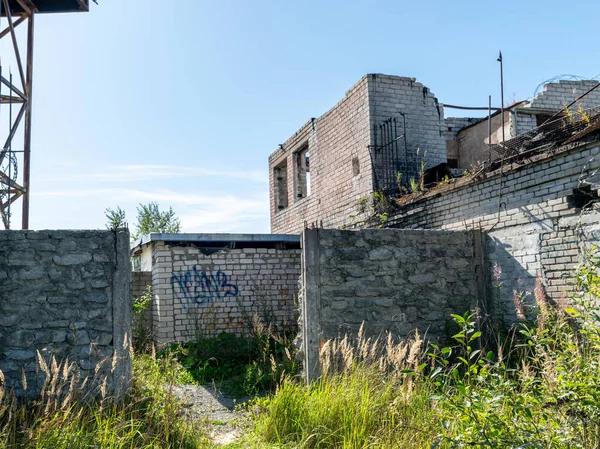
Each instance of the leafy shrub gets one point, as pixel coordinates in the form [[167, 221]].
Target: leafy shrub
[[143, 335], [242, 366], [540, 390]]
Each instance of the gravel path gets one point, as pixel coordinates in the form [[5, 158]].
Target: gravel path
[[206, 403]]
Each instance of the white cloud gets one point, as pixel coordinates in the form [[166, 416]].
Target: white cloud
[[130, 173], [203, 212]]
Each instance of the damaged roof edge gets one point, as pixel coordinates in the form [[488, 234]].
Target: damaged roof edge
[[257, 238]]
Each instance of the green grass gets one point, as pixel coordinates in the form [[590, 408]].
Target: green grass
[[239, 366], [543, 391], [539, 390]]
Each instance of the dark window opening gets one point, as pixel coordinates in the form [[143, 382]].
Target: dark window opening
[[540, 119], [302, 172], [582, 196], [281, 191], [355, 166]]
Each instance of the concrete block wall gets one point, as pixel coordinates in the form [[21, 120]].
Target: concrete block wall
[[539, 229], [389, 279], [200, 293], [340, 166], [65, 294]]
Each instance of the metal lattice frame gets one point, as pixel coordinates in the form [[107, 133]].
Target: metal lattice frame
[[10, 189]]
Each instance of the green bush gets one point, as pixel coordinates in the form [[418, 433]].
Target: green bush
[[541, 389], [241, 366]]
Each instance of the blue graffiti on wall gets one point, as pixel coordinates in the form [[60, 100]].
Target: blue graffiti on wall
[[199, 287]]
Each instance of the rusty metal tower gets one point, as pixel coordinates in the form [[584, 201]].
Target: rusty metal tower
[[15, 100]]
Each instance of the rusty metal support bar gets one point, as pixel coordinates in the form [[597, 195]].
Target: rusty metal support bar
[[27, 138], [13, 185], [6, 30], [8, 84], [13, 130], [28, 6], [15, 43], [12, 199]]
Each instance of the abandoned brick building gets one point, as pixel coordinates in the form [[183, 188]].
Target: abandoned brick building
[[381, 135], [534, 195]]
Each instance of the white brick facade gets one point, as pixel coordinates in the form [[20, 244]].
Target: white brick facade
[[201, 290], [340, 161]]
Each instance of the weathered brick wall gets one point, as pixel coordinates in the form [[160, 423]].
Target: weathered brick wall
[[340, 161], [523, 122], [199, 293], [539, 229], [65, 294], [140, 280], [391, 95], [340, 166], [553, 98], [556, 96], [385, 279]]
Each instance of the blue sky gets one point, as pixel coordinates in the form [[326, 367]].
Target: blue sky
[[181, 102]]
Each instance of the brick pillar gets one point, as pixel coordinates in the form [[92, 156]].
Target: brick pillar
[[162, 311]]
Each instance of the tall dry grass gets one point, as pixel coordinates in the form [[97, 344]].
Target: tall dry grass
[[73, 413], [366, 397], [539, 389]]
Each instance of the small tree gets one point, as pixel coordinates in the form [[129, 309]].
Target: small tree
[[115, 218], [151, 219]]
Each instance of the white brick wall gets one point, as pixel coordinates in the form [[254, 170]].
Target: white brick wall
[[201, 295], [340, 162], [555, 96], [538, 230]]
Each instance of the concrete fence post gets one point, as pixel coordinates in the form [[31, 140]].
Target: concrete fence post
[[311, 308]]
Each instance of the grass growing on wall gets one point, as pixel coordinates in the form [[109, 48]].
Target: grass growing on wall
[[148, 417]]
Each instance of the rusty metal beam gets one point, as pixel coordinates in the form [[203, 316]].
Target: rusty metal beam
[[27, 138], [13, 130], [6, 30], [12, 199], [9, 182], [7, 99], [11, 86], [28, 6], [15, 43], [4, 218], [83, 5]]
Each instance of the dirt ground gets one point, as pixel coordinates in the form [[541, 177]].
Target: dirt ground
[[206, 403]]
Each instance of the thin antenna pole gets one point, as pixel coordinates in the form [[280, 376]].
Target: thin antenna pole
[[501, 155], [27, 137], [489, 129], [502, 95]]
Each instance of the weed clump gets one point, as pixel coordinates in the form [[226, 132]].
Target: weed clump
[[538, 390], [64, 417]]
